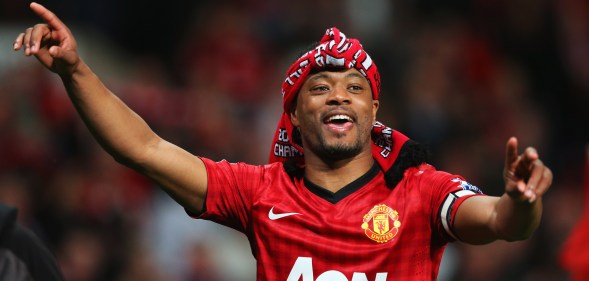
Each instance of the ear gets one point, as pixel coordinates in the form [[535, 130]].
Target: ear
[[293, 111], [293, 117], [375, 105]]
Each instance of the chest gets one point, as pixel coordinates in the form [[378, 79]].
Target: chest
[[368, 222]]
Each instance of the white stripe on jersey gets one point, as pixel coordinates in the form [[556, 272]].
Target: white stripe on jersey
[[446, 210]]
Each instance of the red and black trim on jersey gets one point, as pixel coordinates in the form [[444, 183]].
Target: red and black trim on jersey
[[334, 197], [411, 154]]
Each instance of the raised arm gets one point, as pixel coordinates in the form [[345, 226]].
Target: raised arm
[[517, 213], [119, 130]]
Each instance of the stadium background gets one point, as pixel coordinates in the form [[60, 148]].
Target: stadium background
[[460, 76]]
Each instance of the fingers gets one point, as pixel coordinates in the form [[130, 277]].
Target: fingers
[[526, 176], [18, 41], [518, 166], [540, 181], [509, 171], [529, 156], [31, 39], [540, 178], [536, 175], [27, 40], [41, 31], [510, 152], [51, 42], [49, 17], [35, 37]]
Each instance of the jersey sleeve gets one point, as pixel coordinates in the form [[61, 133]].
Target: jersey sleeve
[[448, 192], [460, 190], [231, 188]]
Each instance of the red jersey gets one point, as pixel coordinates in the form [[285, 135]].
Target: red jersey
[[299, 231]]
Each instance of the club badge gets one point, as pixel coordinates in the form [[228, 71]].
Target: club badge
[[381, 223]]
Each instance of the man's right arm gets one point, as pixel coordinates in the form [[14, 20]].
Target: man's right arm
[[119, 130]]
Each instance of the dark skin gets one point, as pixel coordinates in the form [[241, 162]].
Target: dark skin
[[334, 113], [120, 131], [344, 96]]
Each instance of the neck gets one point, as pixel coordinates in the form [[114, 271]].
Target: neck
[[334, 175]]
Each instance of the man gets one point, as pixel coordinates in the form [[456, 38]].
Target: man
[[345, 197], [22, 255]]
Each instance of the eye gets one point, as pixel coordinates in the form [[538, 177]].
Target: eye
[[319, 89], [355, 88]]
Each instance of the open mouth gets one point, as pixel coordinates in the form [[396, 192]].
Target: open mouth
[[339, 122], [338, 119]]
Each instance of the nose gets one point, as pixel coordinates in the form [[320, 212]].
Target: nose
[[337, 96]]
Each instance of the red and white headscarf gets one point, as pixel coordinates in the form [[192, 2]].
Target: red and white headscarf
[[334, 50]]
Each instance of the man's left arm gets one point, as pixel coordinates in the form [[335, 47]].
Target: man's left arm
[[517, 213]]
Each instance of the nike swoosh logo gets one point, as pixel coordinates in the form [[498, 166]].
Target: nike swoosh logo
[[273, 216]]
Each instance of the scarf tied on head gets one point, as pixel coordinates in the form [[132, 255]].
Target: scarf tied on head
[[335, 50]]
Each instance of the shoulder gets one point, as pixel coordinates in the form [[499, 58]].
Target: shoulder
[[424, 171], [224, 167], [224, 163], [427, 175]]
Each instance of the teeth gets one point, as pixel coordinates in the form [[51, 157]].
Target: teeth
[[339, 117]]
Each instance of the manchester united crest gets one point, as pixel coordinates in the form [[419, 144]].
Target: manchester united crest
[[381, 224]]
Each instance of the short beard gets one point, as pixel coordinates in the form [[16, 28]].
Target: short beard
[[337, 152]]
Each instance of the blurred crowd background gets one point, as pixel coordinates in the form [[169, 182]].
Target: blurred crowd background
[[460, 76]]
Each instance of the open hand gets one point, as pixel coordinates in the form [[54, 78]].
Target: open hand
[[51, 42]]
